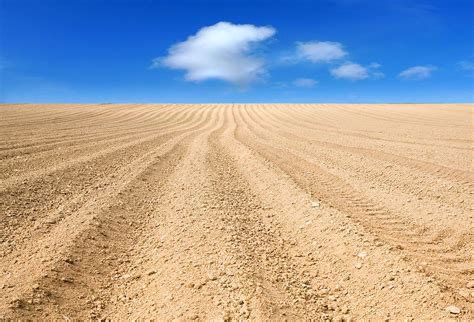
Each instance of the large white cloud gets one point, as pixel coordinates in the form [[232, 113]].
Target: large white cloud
[[320, 51], [350, 71], [221, 51], [417, 72]]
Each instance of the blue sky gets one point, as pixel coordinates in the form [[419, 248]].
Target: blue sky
[[236, 51]]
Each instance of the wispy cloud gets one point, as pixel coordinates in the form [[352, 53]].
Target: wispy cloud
[[374, 65], [417, 72], [466, 65], [333, 52], [320, 51], [221, 51], [305, 82], [354, 71], [351, 71], [374, 71]]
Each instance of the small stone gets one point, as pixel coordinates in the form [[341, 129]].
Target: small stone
[[470, 284], [362, 254], [464, 293], [245, 314], [17, 303], [35, 286], [323, 292], [314, 204], [453, 309], [358, 265], [67, 279]]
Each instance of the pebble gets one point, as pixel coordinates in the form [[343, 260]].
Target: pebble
[[314, 204], [358, 265], [470, 284], [362, 254], [67, 279], [464, 293], [453, 309]]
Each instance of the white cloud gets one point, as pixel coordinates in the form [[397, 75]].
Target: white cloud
[[374, 65], [221, 51], [350, 71], [466, 65], [320, 51], [374, 71], [304, 82], [417, 72], [377, 75]]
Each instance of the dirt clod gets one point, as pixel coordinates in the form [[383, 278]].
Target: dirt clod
[[453, 309]]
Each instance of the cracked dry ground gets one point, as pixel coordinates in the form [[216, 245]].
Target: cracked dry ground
[[236, 211]]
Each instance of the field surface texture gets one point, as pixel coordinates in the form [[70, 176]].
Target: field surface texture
[[236, 211]]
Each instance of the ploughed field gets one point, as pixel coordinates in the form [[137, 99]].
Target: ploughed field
[[236, 211]]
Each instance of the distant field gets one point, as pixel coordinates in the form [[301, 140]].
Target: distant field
[[237, 211]]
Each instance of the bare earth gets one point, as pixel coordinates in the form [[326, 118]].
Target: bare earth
[[237, 211]]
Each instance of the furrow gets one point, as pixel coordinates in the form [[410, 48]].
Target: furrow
[[70, 230], [336, 193]]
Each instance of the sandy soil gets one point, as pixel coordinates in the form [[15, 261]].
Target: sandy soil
[[237, 211]]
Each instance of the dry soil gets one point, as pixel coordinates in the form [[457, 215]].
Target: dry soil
[[237, 211]]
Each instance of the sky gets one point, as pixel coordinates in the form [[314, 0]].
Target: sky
[[299, 51]]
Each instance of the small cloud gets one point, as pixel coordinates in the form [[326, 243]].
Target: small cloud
[[377, 75], [221, 51], [350, 71], [304, 82], [417, 72], [466, 65], [320, 51], [374, 65]]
